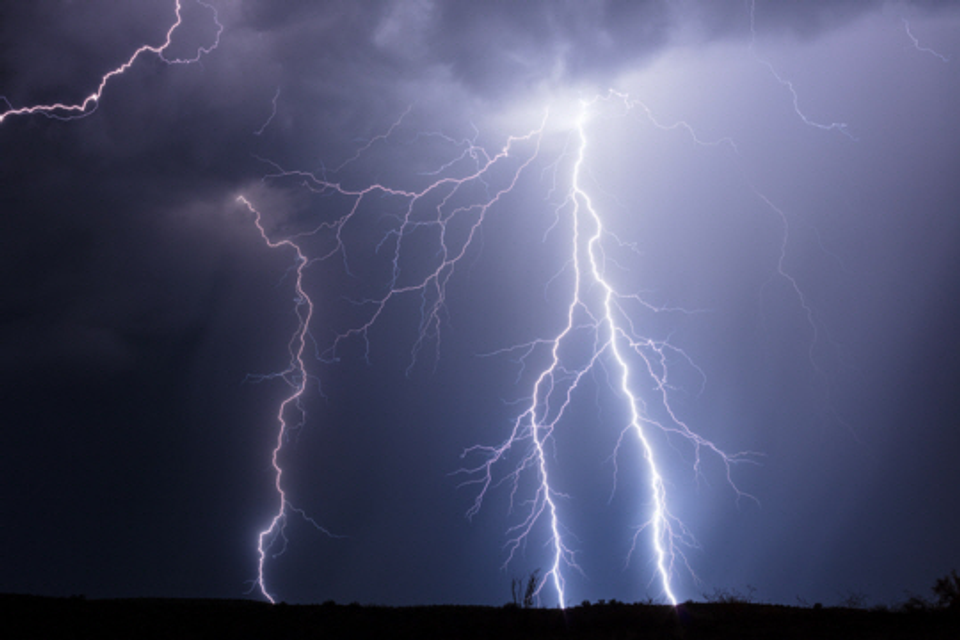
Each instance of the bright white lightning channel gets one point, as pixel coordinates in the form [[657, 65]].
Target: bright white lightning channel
[[660, 520], [604, 325]]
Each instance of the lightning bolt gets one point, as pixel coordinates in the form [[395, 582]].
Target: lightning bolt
[[65, 111], [296, 376], [599, 319], [458, 207]]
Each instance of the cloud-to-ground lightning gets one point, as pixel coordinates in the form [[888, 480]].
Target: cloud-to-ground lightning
[[411, 216], [69, 111], [296, 376], [601, 321]]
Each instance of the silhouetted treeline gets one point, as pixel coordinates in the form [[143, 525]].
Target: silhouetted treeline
[[29, 617]]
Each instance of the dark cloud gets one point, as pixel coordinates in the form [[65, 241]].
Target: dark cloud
[[497, 50]]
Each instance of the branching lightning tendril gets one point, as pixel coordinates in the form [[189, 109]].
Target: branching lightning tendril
[[788, 84], [65, 111], [918, 46]]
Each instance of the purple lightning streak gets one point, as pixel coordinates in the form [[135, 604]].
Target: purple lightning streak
[[602, 323], [788, 84], [918, 46], [62, 111], [273, 114], [296, 376], [448, 202]]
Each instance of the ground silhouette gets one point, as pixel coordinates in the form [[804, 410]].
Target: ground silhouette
[[29, 617]]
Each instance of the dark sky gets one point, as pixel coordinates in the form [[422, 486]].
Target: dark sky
[[786, 193]]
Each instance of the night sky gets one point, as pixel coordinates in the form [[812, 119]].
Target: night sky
[[785, 189]]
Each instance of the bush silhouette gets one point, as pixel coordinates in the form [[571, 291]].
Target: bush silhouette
[[947, 590]]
